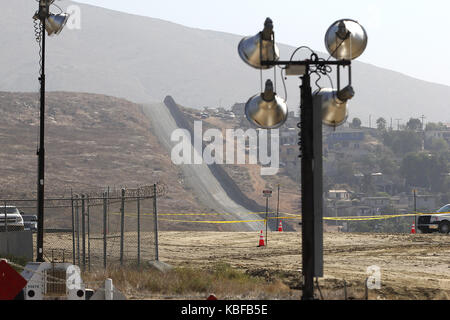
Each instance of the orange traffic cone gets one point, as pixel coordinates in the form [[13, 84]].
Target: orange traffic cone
[[261, 240], [413, 228], [280, 227]]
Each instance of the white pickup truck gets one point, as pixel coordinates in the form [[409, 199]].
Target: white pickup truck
[[14, 220], [439, 221]]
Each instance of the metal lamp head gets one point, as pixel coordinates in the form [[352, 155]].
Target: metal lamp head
[[55, 23], [260, 47], [346, 39], [334, 105], [266, 110]]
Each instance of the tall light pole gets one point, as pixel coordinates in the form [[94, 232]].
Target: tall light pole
[[53, 24], [423, 122], [345, 40]]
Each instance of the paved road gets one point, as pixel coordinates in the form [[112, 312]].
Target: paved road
[[199, 177]]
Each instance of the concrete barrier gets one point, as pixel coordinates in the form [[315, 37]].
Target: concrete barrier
[[17, 243]]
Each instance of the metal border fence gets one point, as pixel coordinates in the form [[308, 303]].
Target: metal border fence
[[98, 229]]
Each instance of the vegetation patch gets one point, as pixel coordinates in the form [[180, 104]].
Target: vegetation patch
[[221, 279]]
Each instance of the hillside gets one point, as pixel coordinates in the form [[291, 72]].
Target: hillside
[[92, 141], [145, 59]]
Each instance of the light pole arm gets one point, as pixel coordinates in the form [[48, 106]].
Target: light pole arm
[[307, 63]]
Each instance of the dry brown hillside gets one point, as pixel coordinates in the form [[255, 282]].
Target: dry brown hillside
[[92, 141]]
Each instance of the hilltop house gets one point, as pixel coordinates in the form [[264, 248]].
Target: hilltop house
[[238, 109], [339, 194], [424, 202], [436, 134]]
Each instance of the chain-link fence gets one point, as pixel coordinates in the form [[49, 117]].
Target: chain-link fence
[[94, 229]]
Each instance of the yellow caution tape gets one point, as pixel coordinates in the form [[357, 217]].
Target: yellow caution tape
[[215, 222], [224, 221], [190, 214], [289, 216]]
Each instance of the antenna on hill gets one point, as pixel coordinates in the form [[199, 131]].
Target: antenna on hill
[[398, 124], [423, 124]]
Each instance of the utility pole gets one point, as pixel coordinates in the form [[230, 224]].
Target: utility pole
[[398, 124], [267, 219], [267, 193], [423, 124], [278, 204], [415, 208]]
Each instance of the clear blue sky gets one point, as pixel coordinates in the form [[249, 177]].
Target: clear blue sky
[[404, 35]]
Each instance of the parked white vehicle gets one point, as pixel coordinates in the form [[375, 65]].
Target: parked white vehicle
[[14, 220]]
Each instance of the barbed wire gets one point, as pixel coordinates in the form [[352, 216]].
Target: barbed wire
[[95, 198]]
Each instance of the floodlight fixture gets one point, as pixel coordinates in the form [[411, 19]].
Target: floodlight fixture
[[260, 47], [54, 23], [346, 39], [266, 110], [334, 105]]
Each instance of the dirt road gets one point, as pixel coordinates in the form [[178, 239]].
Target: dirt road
[[411, 266], [199, 177]]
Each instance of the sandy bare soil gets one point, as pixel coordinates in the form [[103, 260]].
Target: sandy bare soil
[[412, 266]]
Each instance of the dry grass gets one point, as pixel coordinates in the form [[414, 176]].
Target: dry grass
[[190, 283]]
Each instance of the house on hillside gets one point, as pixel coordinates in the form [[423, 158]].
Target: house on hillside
[[424, 202], [341, 194], [436, 134], [289, 136], [350, 142], [238, 109], [381, 182], [376, 202], [347, 139]]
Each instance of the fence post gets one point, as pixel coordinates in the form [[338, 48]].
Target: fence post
[[155, 213], [366, 289], [73, 228], [77, 214], [6, 228], [345, 290], [89, 233], [107, 210], [122, 225], [138, 227], [109, 289], [105, 207], [83, 230]]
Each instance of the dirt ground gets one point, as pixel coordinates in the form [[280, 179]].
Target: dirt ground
[[411, 266]]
